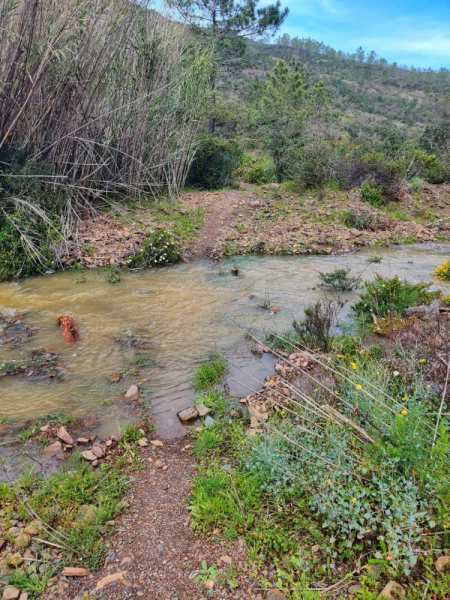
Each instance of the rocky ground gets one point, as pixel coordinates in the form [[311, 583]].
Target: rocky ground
[[264, 220], [155, 552]]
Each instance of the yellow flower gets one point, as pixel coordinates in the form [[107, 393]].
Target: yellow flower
[[353, 365], [404, 412], [359, 386], [422, 360], [405, 398], [353, 500], [336, 392], [282, 412], [329, 481]]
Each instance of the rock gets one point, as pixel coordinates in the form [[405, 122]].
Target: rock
[[193, 574], [199, 429], [75, 572], [188, 414], [226, 560], [23, 596], [53, 450], [159, 464], [275, 309], [354, 588], [258, 349], [156, 443], [442, 564], [115, 378], [209, 584], [111, 578], [133, 393], [315, 548], [209, 421], [88, 455], [275, 595], [11, 593], [22, 540], [82, 440], [33, 528], [109, 443], [65, 437], [98, 451], [202, 410], [45, 428], [271, 186], [15, 560], [95, 463], [143, 442], [87, 513], [226, 468], [392, 590]]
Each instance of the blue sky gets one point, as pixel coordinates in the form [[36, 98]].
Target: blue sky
[[410, 32]]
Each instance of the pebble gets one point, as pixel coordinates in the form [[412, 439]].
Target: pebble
[[11, 593], [391, 590], [442, 564]]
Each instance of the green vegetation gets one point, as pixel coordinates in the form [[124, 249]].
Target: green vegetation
[[209, 374], [214, 163], [385, 296], [340, 280], [158, 249]]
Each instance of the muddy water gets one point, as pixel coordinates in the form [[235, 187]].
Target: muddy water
[[177, 314]]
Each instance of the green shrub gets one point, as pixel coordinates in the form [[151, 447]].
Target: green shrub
[[317, 329], [158, 249], [384, 296], [339, 280], [214, 163], [373, 195], [210, 373], [257, 170], [415, 185], [357, 220]]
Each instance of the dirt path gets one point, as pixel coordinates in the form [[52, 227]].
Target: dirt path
[[155, 548], [221, 206]]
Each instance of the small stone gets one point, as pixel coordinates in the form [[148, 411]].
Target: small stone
[[33, 528], [315, 548], [23, 596], [209, 421], [275, 595], [95, 463], [11, 593], [193, 574], [52, 450], [22, 540], [202, 410], [199, 429], [83, 440], [15, 560], [133, 393], [98, 451], [109, 443], [88, 455], [226, 560], [392, 590], [226, 468], [143, 442], [115, 378], [65, 437], [209, 584], [354, 588], [75, 572], [188, 414], [159, 464], [156, 443], [45, 428], [275, 309], [442, 564]]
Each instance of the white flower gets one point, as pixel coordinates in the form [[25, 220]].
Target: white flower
[[396, 373]]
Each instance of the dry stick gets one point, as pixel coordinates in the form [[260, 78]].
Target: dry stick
[[52, 544], [441, 408]]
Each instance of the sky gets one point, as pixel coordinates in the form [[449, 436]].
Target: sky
[[409, 32]]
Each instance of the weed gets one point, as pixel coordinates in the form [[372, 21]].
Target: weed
[[318, 327], [131, 434], [112, 275], [375, 260], [357, 220], [339, 280], [205, 573], [372, 195], [80, 279], [264, 303], [158, 249], [210, 373]]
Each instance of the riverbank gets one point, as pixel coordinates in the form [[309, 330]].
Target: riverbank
[[263, 220]]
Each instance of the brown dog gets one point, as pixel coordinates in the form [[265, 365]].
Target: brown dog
[[69, 330]]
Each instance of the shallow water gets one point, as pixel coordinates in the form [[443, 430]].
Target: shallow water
[[180, 313]]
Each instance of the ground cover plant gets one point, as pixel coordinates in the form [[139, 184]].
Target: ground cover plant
[[341, 465]]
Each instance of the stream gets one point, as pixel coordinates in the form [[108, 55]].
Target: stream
[[155, 327]]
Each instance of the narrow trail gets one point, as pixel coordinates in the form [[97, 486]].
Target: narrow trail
[[155, 553], [220, 207]]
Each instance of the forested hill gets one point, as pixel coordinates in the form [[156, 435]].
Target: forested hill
[[362, 86]]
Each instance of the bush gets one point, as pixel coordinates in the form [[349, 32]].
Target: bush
[[214, 163], [317, 328], [339, 280], [373, 195], [385, 296], [357, 220], [442, 272], [158, 249], [256, 170]]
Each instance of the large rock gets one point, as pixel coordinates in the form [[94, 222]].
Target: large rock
[[65, 437], [133, 393], [11, 593], [98, 451], [88, 455], [188, 414], [392, 590], [55, 449]]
